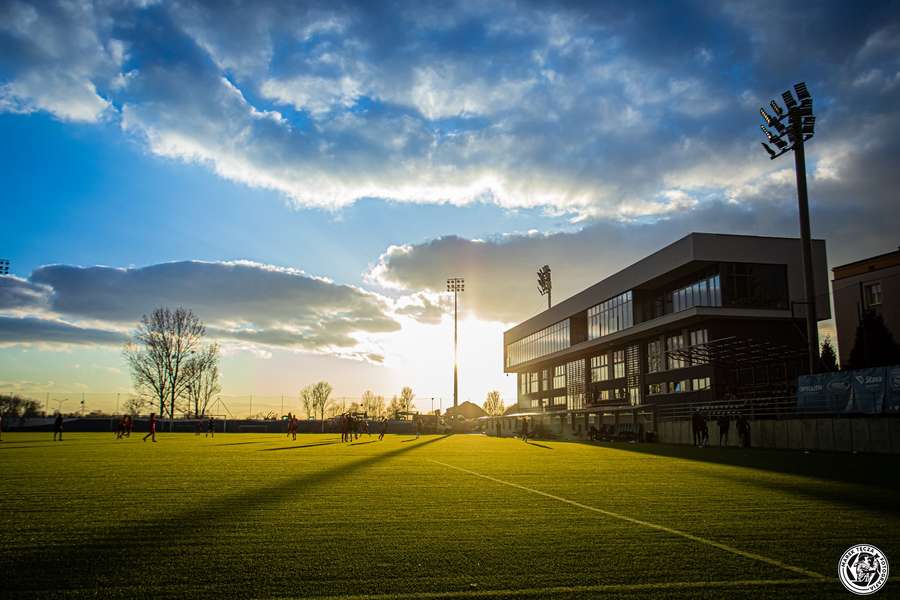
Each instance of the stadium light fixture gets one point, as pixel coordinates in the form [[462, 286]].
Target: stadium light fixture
[[799, 128], [545, 284], [456, 285]]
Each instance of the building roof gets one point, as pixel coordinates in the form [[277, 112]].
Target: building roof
[[670, 261], [468, 410], [866, 265]]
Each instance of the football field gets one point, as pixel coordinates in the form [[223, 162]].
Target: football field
[[258, 515]]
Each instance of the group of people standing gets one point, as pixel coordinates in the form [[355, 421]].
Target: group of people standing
[[700, 429]]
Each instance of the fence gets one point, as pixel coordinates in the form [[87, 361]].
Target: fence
[[230, 406], [778, 423]]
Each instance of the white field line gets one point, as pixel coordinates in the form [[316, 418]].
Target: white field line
[[603, 587], [684, 534]]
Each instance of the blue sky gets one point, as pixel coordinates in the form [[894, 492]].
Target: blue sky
[[349, 155]]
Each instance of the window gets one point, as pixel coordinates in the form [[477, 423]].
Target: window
[[873, 294], [679, 387], [755, 285], [618, 364], [546, 378], [656, 388], [600, 367], [610, 316], [698, 338], [620, 394], [675, 343], [603, 395], [535, 403], [558, 401], [534, 383], [546, 341], [655, 362], [699, 384], [559, 377], [634, 396], [700, 293]]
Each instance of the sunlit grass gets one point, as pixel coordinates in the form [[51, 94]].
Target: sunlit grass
[[260, 516]]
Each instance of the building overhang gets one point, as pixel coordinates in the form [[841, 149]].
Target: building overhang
[[642, 329]]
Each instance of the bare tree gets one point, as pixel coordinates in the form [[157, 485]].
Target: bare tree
[[135, 405], [202, 372], [373, 405], [493, 404], [394, 407], [308, 402], [163, 344], [318, 394], [405, 402]]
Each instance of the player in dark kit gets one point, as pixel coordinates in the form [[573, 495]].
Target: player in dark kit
[[152, 432], [384, 424], [211, 427], [58, 427]]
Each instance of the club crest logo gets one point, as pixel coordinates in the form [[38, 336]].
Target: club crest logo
[[863, 569]]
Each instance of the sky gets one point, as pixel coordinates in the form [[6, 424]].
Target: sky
[[305, 176]]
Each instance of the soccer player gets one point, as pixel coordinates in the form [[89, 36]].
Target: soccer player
[[418, 426], [525, 429], [211, 427], [294, 424], [384, 424], [58, 427], [152, 432]]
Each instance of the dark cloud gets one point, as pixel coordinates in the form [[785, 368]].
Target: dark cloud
[[242, 301], [500, 272], [17, 293], [33, 330]]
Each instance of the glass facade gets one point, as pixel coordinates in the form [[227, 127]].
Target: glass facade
[[600, 367], [698, 337], [618, 364], [755, 285], [540, 343], [559, 377], [706, 292], [675, 342], [655, 357], [610, 316]]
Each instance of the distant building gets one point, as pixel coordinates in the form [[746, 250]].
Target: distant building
[[870, 283], [468, 410], [707, 316]]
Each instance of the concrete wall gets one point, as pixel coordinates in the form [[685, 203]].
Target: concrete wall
[[827, 434]]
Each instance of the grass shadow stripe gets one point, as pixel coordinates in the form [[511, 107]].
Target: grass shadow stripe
[[610, 588], [87, 564], [694, 538]]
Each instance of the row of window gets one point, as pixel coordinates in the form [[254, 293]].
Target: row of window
[[706, 292], [610, 316], [677, 387], [611, 365], [540, 343]]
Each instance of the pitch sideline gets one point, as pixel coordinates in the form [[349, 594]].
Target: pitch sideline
[[737, 551]]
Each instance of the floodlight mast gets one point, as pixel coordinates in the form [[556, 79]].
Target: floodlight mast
[[545, 285], [800, 128], [455, 285]]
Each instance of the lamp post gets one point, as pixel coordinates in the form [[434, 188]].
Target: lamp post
[[800, 128], [455, 285], [545, 285]]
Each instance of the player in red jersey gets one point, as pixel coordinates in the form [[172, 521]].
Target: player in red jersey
[[152, 433]]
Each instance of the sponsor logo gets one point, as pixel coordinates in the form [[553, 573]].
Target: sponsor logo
[[863, 569]]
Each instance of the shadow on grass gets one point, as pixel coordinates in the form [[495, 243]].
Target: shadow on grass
[[539, 445], [410, 440], [298, 447], [831, 466], [363, 443], [239, 443], [134, 551]]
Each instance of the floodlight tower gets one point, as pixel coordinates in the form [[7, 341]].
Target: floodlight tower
[[4, 266], [545, 285], [800, 127], [456, 285]]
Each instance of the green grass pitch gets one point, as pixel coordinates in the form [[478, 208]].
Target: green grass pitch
[[247, 515]]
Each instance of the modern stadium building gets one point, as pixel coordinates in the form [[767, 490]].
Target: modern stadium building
[[710, 316]]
